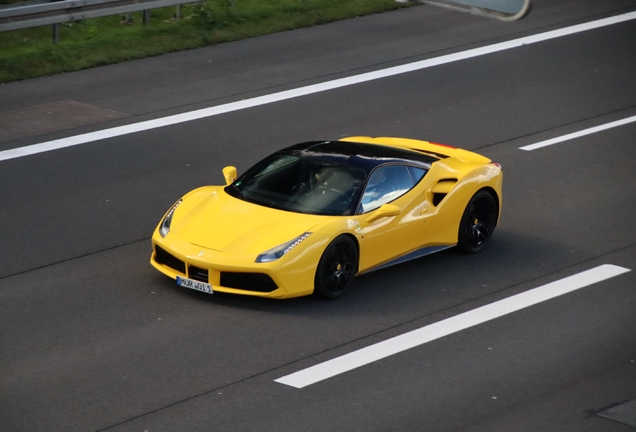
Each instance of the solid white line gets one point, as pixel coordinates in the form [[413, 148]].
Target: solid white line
[[449, 326], [303, 91], [578, 134]]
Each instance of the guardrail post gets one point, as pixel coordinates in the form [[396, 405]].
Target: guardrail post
[[147, 16], [56, 33]]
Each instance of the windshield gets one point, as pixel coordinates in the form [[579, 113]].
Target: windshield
[[302, 183]]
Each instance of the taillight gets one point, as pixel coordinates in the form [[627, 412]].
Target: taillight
[[443, 145]]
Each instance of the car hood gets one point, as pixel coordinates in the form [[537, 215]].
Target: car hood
[[223, 223]]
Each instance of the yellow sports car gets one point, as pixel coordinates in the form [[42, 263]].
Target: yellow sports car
[[310, 217]]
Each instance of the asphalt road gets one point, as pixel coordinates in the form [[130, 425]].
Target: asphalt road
[[93, 339]]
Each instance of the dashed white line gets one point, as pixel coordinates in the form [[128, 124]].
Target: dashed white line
[[449, 326], [307, 90], [578, 134]]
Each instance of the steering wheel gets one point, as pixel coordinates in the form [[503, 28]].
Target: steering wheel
[[338, 193]]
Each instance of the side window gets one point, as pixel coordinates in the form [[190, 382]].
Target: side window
[[416, 173], [386, 184]]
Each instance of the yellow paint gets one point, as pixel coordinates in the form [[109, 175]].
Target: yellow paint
[[231, 233]]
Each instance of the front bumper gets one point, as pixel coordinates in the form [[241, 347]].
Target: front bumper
[[290, 276]]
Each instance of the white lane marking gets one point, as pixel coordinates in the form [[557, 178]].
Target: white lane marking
[[449, 326], [578, 134], [307, 90]]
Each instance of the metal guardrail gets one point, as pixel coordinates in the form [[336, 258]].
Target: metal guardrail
[[505, 10], [45, 12]]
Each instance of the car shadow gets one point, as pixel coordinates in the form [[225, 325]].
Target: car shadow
[[431, 283]]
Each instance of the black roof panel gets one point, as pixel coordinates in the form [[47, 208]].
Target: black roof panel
[[365, 155]]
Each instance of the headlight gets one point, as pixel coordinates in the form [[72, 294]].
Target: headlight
[[279, 251], [164, 229]]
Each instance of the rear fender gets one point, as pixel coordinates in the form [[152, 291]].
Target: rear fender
[[449, 211]]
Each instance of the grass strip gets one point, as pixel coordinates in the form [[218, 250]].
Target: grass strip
[[30, 53]]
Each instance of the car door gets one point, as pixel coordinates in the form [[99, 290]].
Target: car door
[[392, 215]]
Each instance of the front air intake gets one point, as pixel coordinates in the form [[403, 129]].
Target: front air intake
[[163, 257], [258, 282]]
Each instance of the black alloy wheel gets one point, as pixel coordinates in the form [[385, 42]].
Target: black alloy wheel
[[478, 222], [336, 269]]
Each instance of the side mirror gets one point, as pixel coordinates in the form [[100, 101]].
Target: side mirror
[[230, 173], [384, 211]]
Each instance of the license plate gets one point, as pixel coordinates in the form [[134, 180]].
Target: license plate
[[195, 285]]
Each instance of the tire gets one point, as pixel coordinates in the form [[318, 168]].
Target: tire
[[336, 268], [478, 223]]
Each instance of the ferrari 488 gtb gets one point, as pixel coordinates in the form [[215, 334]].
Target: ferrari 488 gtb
[[310, 217]]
